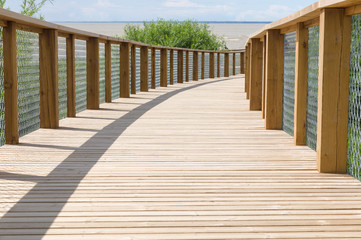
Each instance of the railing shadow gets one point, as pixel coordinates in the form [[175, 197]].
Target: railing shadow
[[66, 171]]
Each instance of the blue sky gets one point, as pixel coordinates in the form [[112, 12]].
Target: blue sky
[[140, 10]]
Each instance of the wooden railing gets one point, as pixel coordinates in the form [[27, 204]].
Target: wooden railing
[[48, 57], [265, 69]]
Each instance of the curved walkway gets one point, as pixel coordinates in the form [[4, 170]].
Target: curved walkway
[[178, 163]]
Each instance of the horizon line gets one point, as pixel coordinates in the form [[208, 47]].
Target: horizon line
[[235, 22]]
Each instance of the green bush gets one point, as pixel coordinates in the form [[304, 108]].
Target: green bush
[[187, 34]]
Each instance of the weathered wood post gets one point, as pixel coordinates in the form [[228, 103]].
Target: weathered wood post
[[264, 78], [92, 54], [218, 65], [211, 65], [144, 85], [234, 64], [248, 72], [164, 67], [108, 72], [124, 80], [226, 64], [195, 66], [255, 89], [242, 62]]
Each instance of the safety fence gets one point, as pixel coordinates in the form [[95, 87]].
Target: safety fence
[[309, 68], [49, 72]]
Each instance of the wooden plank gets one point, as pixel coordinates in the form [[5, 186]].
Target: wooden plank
[[312, 23], [108, 72], [289, 29], [354, 10], [248, 69], [264, 77], [195, 66], [226, 64], [153, 80], [218, 65], [124, 88], [48, 77], [211, 65], [10, 84], [334, 67], [274, 79], [242, 62], [255, 88], [301, 70], [164, 68], [234, 64], [144, 69], [180, 67], [203, 65], [171, 70], [70, 82], [92, 55], [133, 75], [187, 66]]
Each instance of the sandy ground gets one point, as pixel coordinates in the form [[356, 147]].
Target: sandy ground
[[235, 34]]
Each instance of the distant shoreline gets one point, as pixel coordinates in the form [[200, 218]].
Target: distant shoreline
[[212, 22]]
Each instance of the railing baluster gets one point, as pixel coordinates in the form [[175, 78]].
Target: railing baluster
[[108, 72], [255, 88], [226, 64], [234, 64], [264, 77], [163, 67], [195, 66], [218, 65], [180, 66], [92, 53], [124, 71], [144, 69], [242, 62], [248, 69], [211, 65]]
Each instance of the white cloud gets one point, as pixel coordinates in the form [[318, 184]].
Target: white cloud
[[273, 12]]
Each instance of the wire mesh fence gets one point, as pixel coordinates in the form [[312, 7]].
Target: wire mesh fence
[[231, 64], [199, 65], [2, 101], [289, 83], [137, 71], [157, 68], [115, 75], [62, 74], [168, 67], [190, 66], [215, 65], [312, 87], [101, 72], [149, 68], [222, 65], [175, 67], [238, 63], [80, 75], [206, 66], [354, 122], [28, 82]]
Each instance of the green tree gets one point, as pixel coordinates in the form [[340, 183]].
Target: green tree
[[30, 7], [187, 34]]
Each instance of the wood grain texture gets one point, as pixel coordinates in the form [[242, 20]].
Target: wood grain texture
[[218, 65], [171, 70], [124, 70], [144, 69], [264, 77], [108, 72], [301, 70], [242, 64], [248, 68], [133, 69], [48, 77], [92, 55], [180, 67], [234, 64], [211, 65], [255, 84], [70, 77], [187, 162], [195, 66], [11, 84], [163, 68], [334, 70]]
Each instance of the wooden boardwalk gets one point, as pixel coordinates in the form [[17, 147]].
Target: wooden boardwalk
[[185, 162]]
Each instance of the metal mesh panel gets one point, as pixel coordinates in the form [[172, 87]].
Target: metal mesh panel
[[80, 75], [101, 72], [28, 82], [149, 68], [222, 65], [175, 66], [206, 66], [184, 66], [215, 64], [312, 87], [2, 104], [62, 73], [238, 63], [191, 66], [130, 69], [230, 64], [168, 67], [354, 122], [199, 66], [289, 83], [157, 68], [115, 70], [137, 67]]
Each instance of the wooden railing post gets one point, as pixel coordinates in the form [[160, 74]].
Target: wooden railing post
[[234, 64], [171, 70], [195, 66], [218, 65], [144, 69], [108, 72], [49, 90], [242, 62], [334, 70], [92, 53], [70, 69], [264, 78], [133, 77], [153, 80], [255, 89], [124, 70], [164, 67], [203, 65], [226, 64], [301, 69], [180, 66], [274, 79], [211, 65], [248, 68], [187, 66], [11, 84]]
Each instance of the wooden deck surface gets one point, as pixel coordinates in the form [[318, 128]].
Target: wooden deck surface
[[185, 162]]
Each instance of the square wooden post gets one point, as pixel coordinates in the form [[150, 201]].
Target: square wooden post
[[218, 65], [187, 66], [171, 67], [203, 65], [264, 77], [333, 87], [301, 69], [11, 84], [153, 80], [211, 65], [144, 69], [70, 69], [248, 72], [234, 64], [242, 62], [49, 90], [195, 66], [226, 64], [164, 67], [274, 79], [108, 72], [133, 77], [92, 54], [124, 70], [180, 66], [255, 89]]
